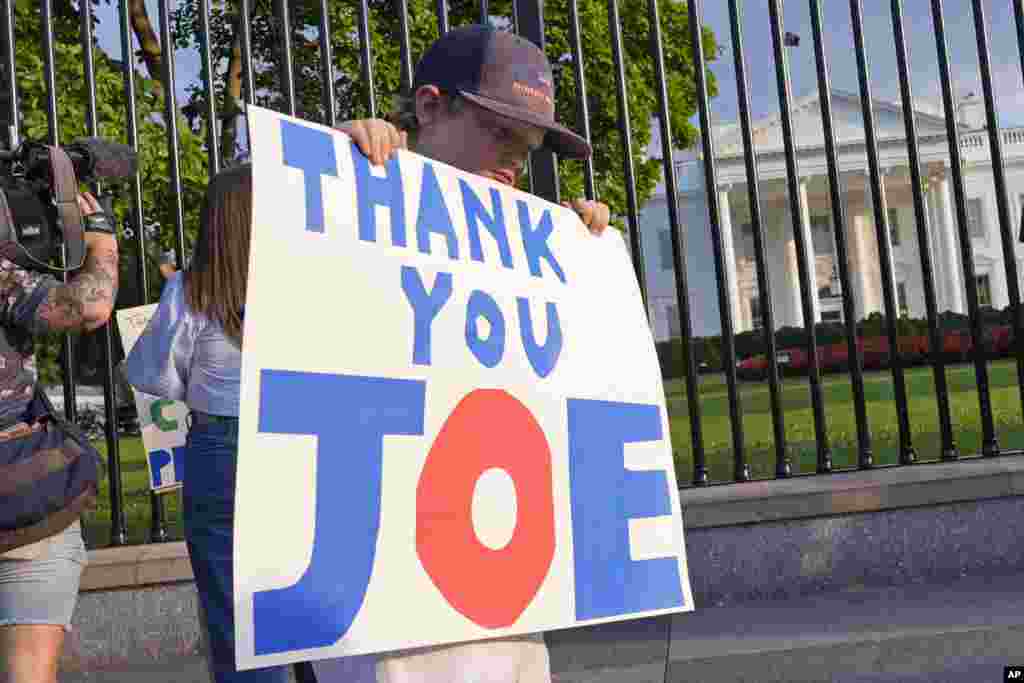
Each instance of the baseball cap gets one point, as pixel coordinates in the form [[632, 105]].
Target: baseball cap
[[502, 73]]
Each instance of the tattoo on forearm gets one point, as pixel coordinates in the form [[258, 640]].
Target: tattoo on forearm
[[68, 306]]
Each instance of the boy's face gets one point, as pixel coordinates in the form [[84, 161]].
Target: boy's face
[[474, 139]]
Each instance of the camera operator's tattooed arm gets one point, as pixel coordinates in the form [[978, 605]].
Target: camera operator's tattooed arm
[[86, 301]]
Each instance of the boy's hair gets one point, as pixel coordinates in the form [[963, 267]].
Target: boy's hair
[[403, 115], [215, 282]]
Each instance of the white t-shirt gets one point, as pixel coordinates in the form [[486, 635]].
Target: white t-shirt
[[523, 659]]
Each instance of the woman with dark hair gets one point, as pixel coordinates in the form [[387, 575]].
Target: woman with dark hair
[[192, 351]]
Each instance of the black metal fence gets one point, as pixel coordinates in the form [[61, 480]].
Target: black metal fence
[[218, 110]]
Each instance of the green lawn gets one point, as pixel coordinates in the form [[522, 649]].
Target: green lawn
[[135, 482], [839, 419], [714, 408]]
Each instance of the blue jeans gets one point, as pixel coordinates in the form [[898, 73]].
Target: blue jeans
[[209, 502]]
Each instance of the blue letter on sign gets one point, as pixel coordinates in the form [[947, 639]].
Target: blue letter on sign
[[542, 358], [349, 416], [605, 495], [488, 351], [312, 151], [425, 308], [434, 216], [476, 213], [159, 458], [535, 241], [372, 191]]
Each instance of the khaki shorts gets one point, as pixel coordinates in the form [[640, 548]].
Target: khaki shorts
[[43, 590]]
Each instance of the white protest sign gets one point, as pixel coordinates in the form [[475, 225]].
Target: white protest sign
[[161, 420], [453, 424]]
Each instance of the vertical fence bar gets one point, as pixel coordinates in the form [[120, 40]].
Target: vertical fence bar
[[927, 272], [287, 71], [366, 58], [88, 69], [119, 529], [158, 531], [741, 469], [89, 72], [582, 108], [14, 125], [327, 67], [405, 45], [245, 34], [304, 672], [442, 16], [678, 240], [989, 444], [49, 71], [808, 289], [626, 136], [171, 121], [53, 138], [906, 455], [1018, 20], [209, 92], [995, 142], [864, 456], [131, 127], [110, 426], [543, 165], [485, 15], [783, 468]]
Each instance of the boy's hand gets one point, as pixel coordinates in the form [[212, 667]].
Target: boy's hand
[[595, 215], [376, 138]]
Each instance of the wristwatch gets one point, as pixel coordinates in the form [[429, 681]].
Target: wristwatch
[[99, 222]]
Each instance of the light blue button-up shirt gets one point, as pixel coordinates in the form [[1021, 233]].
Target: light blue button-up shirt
[[186, 357]]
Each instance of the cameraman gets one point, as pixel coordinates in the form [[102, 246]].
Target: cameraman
[[39, 582]]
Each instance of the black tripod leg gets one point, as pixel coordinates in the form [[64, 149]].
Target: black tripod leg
[[304, 673]]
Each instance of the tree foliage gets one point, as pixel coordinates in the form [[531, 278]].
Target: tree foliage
[[351, 91]]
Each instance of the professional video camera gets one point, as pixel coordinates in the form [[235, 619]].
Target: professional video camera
[[39, 213]]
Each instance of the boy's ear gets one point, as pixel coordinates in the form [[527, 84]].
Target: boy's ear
[[428, 104]]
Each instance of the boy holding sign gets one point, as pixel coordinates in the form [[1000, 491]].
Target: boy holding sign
[[482, 100]]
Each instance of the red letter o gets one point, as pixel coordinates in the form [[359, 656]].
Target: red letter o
[[488, 428]]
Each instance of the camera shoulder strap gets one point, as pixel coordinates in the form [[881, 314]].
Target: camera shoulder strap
[[65, 196], [8, 236]]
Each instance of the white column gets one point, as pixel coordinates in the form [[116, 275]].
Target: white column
[[787, 291], [835, 245], [857, 234], [794, 314], [934, 246], [729, 255], [748, 316], [812, 264], [950, 248], [888, 242], [865, 287], [1000, 285], [777, 261]]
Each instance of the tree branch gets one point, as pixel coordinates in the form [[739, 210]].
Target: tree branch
[[149, 43], [232, 95]]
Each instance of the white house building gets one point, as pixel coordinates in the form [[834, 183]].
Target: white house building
[[815, 207]]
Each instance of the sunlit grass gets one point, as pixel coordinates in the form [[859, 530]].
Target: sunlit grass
[[840, 421]]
